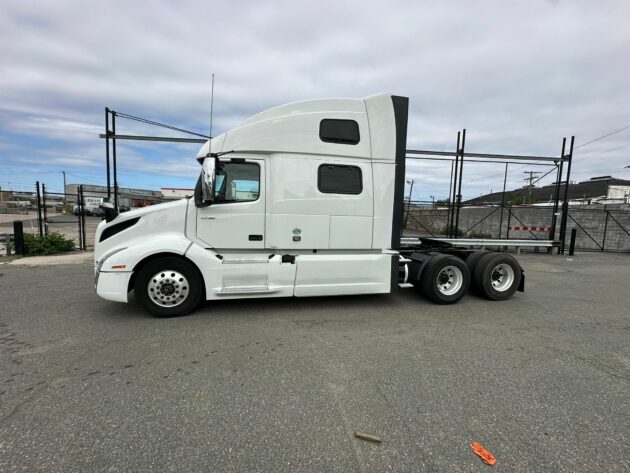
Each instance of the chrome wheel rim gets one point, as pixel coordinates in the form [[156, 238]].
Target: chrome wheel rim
[[502, 277], [168, 288], [450, 280]]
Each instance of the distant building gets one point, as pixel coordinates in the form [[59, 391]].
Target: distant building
[[171, 193], [128, 198], [597, 190]]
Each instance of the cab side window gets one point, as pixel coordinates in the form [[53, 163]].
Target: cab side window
[[237, 182], [339, 179]]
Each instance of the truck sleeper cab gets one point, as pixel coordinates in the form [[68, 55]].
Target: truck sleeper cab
[[305, 199]]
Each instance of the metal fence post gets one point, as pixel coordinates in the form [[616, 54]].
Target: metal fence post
[[565, 204], [79, 211], [39, 210], [82, 236], [572, 242], [451, 222], [459, 191], [45, 209], [18, 238], [605, 229], [503, 201]]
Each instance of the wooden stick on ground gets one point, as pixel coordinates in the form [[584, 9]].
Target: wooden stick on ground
[[368, 437]]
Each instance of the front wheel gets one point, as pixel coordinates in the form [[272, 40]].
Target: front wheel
[[168, 287], [445, 279]]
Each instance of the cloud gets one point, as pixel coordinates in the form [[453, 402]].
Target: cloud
[[518, 75]]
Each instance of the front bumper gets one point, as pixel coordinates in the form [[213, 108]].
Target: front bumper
[[112, 286]]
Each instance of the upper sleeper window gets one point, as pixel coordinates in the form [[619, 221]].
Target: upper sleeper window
[[345, 132], [339, 179]]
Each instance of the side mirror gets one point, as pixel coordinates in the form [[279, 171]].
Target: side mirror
[[109, 210], [204, 194]]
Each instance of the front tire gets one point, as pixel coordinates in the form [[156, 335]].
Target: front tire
[[169, 287], [445, 279], [497, 276]]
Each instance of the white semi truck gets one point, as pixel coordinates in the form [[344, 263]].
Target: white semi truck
[[304, 199]]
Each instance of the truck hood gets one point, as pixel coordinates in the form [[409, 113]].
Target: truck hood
[[165, 207], [149, 221]]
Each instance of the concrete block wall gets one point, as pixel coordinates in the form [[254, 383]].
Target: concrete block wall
[[590, 222]]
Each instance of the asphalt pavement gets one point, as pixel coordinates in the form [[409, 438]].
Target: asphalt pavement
[[541, 380]]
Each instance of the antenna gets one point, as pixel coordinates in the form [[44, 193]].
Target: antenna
[[211, 109]]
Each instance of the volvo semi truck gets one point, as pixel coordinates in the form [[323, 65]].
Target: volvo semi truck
[[304, 199]]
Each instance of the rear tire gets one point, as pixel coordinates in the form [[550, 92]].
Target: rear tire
[[497, 276], [471, 262], [169, 287], [445, 279]]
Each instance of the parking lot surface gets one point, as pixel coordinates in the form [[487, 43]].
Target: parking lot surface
[[541, 380]]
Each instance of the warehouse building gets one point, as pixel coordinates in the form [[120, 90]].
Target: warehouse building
[[128, 198]]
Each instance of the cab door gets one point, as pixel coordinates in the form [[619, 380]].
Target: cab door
[[236, 218]]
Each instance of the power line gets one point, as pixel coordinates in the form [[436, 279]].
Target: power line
[[602, 137], [603, 170], [544, 175], [604, 152]]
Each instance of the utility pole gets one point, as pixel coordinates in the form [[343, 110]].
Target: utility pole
[[532, 176]]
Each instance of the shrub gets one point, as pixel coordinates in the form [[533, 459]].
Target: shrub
[[50, 244], [446, 230], [479, 234]]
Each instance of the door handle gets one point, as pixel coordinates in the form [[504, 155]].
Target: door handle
[[255, 238], [207, 218]]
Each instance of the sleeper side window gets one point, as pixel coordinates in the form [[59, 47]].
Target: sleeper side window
[[339, 179], [345, 132], [237, 182]]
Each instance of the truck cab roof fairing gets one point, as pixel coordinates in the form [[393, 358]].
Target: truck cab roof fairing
[[294, 128]]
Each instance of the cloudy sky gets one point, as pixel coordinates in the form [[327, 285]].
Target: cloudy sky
[[518, 75]]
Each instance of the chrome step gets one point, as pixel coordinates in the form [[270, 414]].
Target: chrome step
[[244, 290]]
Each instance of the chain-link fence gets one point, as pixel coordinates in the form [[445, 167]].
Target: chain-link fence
[[63, 213], [73, 214], [17, 206]]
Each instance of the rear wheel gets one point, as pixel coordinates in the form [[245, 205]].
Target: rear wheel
[[471, 262], [168, 287], [445, 279], [497, 276]]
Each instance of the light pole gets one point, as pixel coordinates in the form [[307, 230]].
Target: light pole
[[410, 182]]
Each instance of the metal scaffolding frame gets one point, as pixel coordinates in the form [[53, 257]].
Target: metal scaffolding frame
[[457, 168], [111, 136]]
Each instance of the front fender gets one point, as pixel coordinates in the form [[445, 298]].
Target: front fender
[[139, 248]]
